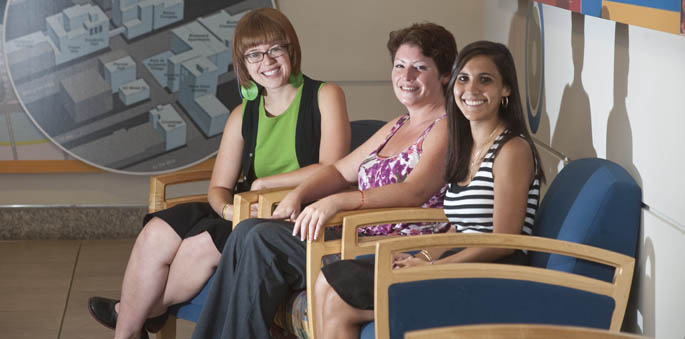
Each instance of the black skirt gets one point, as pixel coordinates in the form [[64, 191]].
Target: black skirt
[[353, 279], [193, 218]]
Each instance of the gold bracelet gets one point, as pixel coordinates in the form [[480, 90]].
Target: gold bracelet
[[223, 212], [427, 255]]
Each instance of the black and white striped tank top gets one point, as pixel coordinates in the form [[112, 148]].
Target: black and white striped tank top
[[470, 208]]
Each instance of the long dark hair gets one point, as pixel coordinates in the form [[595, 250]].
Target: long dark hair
[[460, 137]]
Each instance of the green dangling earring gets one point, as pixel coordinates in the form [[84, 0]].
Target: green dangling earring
[[250, 92], [296, 80]]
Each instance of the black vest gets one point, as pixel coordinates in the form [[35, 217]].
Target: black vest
[[307, 135]]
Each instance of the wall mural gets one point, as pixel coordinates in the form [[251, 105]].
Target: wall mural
[[129, 86], [534, 65], [662, 15], [19, 137]]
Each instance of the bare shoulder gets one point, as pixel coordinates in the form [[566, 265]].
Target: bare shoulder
[[385, 129], [235, 118], [516, 147], [514, 154], [438, 134], [330, 89], [238, 110], [330, 93]]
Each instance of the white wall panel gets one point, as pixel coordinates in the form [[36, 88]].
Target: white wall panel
[[628, 106]]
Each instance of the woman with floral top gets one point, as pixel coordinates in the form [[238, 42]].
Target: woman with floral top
[[494, 174], [401, 165]]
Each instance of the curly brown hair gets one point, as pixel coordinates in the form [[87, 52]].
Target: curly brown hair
[[435, 42]]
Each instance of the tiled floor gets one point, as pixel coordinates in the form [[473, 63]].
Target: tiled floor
[[45, 285]]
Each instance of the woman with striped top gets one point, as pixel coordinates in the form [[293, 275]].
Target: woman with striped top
[[494, 173]]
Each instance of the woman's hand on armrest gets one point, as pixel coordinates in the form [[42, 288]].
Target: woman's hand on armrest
[[289, 207]]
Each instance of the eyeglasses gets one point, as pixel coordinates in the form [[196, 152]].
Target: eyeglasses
[[273, 52]]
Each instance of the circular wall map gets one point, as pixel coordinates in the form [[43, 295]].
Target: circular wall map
[[535, 64], [130, 86]]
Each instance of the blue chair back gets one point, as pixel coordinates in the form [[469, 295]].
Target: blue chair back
[[593, 202], [362, 130]]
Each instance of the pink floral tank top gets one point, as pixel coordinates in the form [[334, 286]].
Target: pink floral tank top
[[376, 171]]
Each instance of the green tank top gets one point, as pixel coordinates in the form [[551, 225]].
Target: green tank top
[[275, 151]]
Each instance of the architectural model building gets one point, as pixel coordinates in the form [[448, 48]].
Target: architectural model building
[[197, 95], [170, 126], [222, 26], [29, 54], [191, 41], [139, 17], [85, 95], [134, 92], [77, 31], [119, 72]]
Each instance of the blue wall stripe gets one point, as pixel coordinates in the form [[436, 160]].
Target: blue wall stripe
[[591, 7]]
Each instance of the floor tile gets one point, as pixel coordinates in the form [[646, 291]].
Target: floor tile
[[34, 288], [99, 271]]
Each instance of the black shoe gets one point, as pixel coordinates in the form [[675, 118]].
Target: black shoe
[[102, 310], [154, 325]]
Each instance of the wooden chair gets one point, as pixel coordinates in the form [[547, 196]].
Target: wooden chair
[[585, 235], [518, 331], [472, 293], [242, 204], [351, 245], [266, 200], [295, 318]]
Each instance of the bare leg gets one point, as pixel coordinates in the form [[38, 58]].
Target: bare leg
[[194, 263], [335, 318], [145, 276]]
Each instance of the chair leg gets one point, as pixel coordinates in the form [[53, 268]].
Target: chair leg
[[169, 329]]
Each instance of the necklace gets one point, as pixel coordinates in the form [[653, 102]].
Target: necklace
[[477, 156]]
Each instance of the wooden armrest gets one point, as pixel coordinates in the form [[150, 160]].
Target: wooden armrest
[[505, 331], [267, 201], [511, 241], [317, 249], [618, 289], [159, 183], [243, 201], [353, 245]]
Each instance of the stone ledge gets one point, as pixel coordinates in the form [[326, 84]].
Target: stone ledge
[[41, 223]]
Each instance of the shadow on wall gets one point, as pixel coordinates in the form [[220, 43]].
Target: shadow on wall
[[640, 311], [573, 131], [639, 316], [619, 137]]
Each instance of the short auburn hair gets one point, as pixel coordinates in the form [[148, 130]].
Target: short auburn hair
[[264, 26]]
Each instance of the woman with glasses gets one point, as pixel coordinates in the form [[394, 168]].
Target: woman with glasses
[[272, 139], [400, 165]]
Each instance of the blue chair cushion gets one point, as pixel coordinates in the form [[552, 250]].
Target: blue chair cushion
[[191, 309], [368, 331]]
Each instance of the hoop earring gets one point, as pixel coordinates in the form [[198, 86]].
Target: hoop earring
[[296, 80], [250, 92], [505, 102]]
